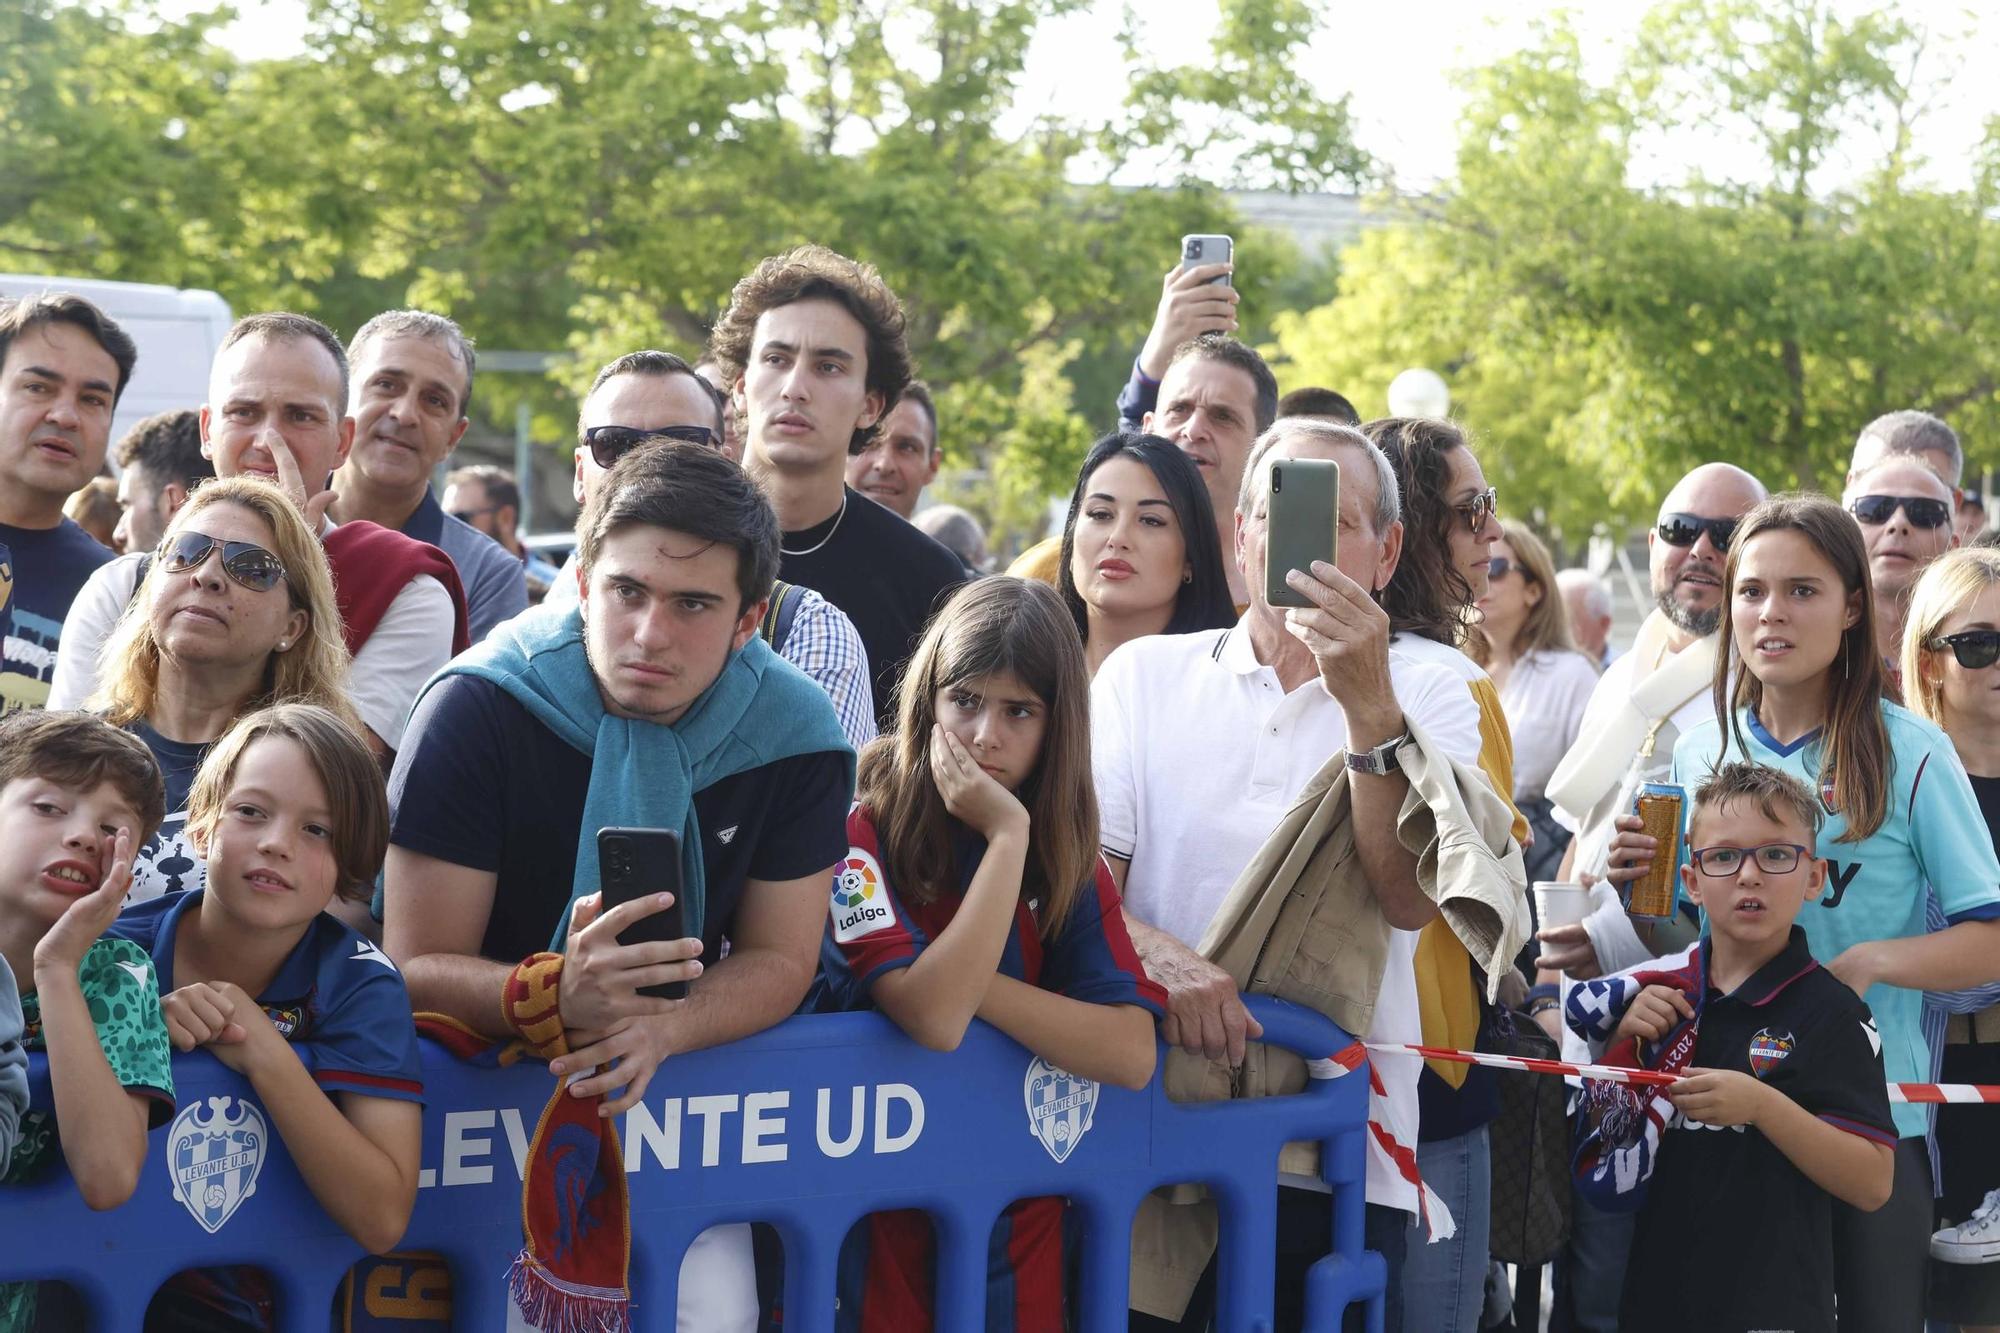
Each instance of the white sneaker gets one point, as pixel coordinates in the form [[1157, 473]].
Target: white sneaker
[[1974, 1241]]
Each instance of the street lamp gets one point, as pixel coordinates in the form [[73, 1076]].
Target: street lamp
[[1419, 392]]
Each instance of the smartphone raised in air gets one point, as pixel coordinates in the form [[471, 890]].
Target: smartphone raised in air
[[1199, 250]]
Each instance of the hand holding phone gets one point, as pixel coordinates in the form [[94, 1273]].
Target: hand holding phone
[[1302, 523], [634, 863]]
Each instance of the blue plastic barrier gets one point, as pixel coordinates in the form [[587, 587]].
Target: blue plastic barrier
[[808, 1126]]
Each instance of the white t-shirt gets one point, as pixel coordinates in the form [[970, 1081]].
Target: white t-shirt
[[1544, 699], [1198, 752], [412, 640]]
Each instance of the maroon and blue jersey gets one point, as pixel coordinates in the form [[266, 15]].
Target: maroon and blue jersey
[[887, 1263], [342, 1003]]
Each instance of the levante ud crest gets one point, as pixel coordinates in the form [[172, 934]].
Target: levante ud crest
[[1060, 1106], [215, 1151]]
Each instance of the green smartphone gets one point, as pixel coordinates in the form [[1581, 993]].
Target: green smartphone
[[1303, 520]]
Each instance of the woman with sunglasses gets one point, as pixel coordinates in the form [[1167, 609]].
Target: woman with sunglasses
[[1798, 686], [1905, 512], [1949, 654], [1139, 553], [1524, 642], [235, 612], [1449, 527]]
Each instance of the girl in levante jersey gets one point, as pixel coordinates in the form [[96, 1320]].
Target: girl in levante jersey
[[1799, 687], [973, 889]]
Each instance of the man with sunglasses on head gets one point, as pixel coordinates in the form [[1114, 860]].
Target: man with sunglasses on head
[[410, 387], [1642, 703], [1905, 511], [646, 396], [277, 396]]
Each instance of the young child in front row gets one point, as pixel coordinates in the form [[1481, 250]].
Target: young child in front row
[[77, 795], [1782, 1105], [973, 889], [289, 811]]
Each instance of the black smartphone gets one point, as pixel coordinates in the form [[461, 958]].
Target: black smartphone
[[635, 863]]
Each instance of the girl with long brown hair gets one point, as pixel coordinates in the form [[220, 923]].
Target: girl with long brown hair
[[1799, 687], [973, 888]]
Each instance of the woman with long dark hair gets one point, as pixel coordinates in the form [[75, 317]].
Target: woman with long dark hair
[[1449, 527], [1139, 552], [1798, 686]]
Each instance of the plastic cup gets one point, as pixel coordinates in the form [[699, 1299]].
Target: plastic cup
[[1560, 904]]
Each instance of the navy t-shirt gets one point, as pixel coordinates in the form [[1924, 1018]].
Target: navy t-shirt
[[480, 783], [41, 572]]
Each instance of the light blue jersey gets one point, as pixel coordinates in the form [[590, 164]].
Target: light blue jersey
[[1932, 835]]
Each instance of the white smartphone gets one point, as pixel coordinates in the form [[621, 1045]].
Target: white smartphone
[[1199, 250]]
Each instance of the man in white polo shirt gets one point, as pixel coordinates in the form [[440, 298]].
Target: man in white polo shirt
[[1202, 741]]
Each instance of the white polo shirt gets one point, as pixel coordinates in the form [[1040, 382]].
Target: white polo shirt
[[1198, 752]]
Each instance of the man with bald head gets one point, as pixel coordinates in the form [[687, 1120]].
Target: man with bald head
[[1642, 703]]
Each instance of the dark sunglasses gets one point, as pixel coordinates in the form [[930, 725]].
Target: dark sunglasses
[[1479, 509], [467, 515], [246, 562], [1974, 649], [1686, 530], [1499, 567], [1875, 510], [608, 444]]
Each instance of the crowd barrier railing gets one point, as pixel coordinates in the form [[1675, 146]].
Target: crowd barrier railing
[[808, 1126]]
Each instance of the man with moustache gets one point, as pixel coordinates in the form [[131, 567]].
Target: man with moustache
[[410, 388], [1642, 703], [902, 457], [63, 365], [276, 408], [812, 347]]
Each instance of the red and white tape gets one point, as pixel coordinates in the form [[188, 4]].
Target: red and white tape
[[1954, 1093]]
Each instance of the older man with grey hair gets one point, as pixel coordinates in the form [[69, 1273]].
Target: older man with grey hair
[[1259, 708], [410, 384], [1588, 602]]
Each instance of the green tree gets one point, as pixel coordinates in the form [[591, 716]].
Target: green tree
[[1602, 334]]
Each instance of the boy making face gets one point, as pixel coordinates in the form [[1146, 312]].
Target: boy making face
[[76, 796], [1785, 1056]]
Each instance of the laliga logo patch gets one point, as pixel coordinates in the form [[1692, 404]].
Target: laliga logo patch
[[1060, 1106], [215, 1151], [1768, 1050], [860, 906]]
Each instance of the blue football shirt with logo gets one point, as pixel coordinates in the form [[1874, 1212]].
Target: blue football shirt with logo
[[1932, 834]]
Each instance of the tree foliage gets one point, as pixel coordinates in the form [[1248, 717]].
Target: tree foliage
[[1603, 333], [594, 175]]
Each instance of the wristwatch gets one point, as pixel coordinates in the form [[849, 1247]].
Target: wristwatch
[[1381, 760]]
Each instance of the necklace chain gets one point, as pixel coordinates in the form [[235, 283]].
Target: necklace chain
[[785, 550]]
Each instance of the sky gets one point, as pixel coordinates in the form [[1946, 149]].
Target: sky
[[1395, 61]]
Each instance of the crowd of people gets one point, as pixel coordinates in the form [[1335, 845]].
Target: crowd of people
[[323, 748]]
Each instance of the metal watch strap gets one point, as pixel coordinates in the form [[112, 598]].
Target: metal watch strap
[[1381, 760]]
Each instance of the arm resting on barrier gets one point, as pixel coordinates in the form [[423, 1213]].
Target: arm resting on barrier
[[774, 951], [359, 1156], [102, 1126], [1205, 1013], [434, 917], [949, 982], [1111, 1043]]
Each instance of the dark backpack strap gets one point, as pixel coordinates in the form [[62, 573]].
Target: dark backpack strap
[[784, 609], [145, 563]]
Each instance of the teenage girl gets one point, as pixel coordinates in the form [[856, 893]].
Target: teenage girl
[[973, 889], [289, 811], [1799, 687]]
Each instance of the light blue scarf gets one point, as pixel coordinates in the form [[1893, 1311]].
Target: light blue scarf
[[644, 774]]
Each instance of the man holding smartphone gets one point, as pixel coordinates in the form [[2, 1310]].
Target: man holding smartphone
[[496, 797], [1258, 708]]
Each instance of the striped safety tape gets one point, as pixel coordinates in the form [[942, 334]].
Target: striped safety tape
[[1953, 1093]]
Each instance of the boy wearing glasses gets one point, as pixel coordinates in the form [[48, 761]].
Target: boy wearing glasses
[[1781, 1106]]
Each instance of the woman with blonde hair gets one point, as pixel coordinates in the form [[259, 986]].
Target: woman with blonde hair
[[234, 612], [1950, 650], [1524, 643]]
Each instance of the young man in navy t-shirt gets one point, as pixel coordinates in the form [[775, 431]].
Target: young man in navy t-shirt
[[63, 364]]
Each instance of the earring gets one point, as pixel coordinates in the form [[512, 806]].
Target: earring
[[283, 645], [1188, 577]]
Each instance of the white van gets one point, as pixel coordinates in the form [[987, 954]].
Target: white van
[[177, 332]]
